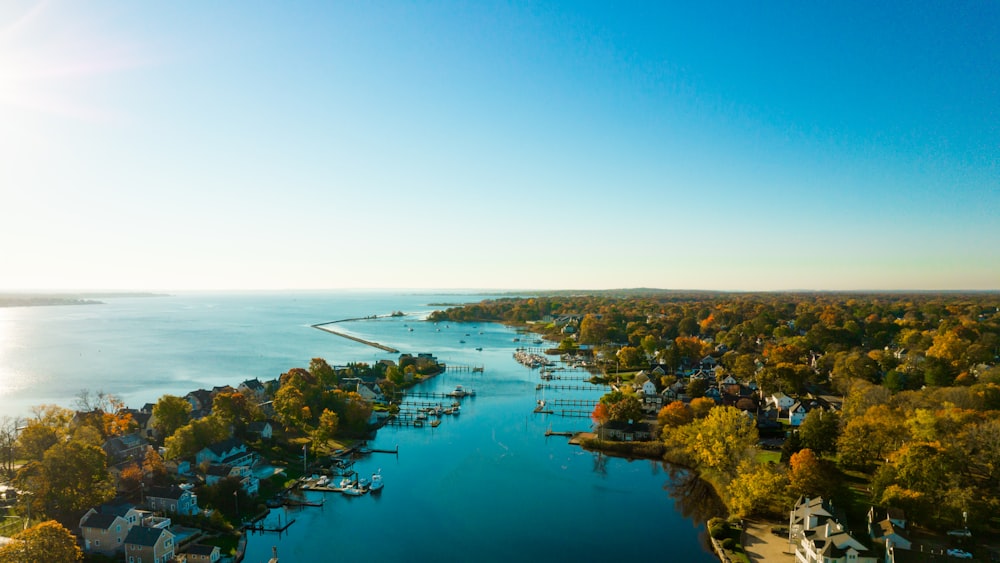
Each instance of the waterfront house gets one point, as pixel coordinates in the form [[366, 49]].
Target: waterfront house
[[618, 431], [198, 553], [241, 473], [149, 545], [103, 529], [172, 499], [230, 451]]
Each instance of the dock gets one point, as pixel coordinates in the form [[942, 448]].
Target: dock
[[261, 528], [550, 432], [561, 387]]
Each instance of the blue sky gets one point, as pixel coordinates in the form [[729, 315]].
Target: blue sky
[[527, 145]]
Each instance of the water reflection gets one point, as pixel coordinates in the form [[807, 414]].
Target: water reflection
[[695, 498]]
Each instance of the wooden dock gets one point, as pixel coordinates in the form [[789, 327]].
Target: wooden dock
[[574, 402], [261, 528], [461, 368], [550, 432], [562, 387]]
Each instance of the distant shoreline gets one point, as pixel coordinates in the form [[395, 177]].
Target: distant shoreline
[[14, 299]]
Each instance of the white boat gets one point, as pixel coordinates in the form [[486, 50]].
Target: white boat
[[353, 491], [322, 481], [376, 484], [345, 482]]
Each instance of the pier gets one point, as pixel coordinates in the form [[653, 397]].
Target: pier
[[574, 402], [561, 387], [460, 368]]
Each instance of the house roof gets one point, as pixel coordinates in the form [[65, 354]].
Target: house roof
[[141, 535], [258, 426], [224, 447], [253, 384], [98, 520], [199, 549], [120, 509], [173, 492], [219, 470]]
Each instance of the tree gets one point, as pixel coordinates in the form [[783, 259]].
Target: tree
[[45, 541], [701, 406], [697, 387], [35, 439], [630, 356], [153, 465], [592, 330], [8, 444], [820, 430], [234, 409], [627, 409], [808, 476], [288, 405], [323, 373], [170, 413], [718, 442], [674, 414], [326, 429], [755, 487], [71, 478]]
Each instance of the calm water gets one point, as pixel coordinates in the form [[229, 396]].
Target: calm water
[[484, 486]]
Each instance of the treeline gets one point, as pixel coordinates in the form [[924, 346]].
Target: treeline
[[918, 374]]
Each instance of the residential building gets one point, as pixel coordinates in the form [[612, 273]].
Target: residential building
[[818, 537], [198, 553], [149, 545], [230, 451], [172, 499]]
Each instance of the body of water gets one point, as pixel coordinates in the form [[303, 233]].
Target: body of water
[[486, 485]]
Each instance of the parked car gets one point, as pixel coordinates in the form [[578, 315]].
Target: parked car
[[959, 553]]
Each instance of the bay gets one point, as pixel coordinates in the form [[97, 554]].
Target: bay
[[486, 485]]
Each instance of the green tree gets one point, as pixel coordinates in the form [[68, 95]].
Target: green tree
[[629, 356], [170, 413], [820, 430], [323, 373], [697, 387], [71, 478]]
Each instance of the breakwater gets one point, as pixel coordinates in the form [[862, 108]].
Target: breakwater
[[326, 328]]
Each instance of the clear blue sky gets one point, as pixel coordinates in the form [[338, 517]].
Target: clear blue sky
[[273, 145]]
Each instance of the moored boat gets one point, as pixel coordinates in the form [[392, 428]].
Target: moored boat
[[376, 484]]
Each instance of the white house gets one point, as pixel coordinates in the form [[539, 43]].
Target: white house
[[818, 537], [781, 401]]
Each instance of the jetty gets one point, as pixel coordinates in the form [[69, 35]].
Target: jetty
[[324, 327], [559, 387]]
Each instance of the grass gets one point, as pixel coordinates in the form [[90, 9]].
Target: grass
[[768, 456]]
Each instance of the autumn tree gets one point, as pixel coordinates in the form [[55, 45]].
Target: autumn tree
[[809, 476], [323, 373], [592, 330], [326, 429], [756, 488], [630, 356], [701, 406], [718, 442], [45, 541], [674, 414]]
